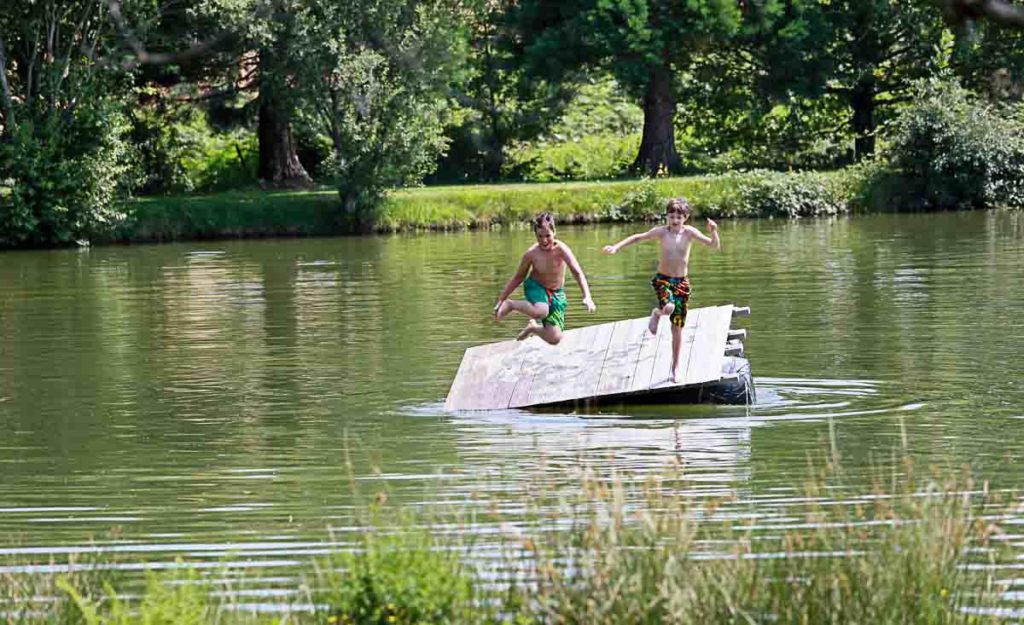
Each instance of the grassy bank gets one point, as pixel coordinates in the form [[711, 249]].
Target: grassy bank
[[260, 213], [629, 550]]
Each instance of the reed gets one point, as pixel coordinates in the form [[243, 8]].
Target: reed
[[615, 548]]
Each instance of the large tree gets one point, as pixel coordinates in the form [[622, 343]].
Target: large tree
[[812, 55], [245, 49], [376, 76], [499, 102], [964, 13], [645, 44], [275, 40], [756, 101], [874, 51]]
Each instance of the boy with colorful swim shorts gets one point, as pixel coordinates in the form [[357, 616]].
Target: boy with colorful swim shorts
[[671, 283], [545, 303]]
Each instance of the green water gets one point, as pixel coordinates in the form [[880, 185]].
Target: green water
[[232, 401]]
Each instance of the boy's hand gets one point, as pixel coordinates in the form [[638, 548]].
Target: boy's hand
[[497, 307], [589, 303], [712, 226], [609, 249]]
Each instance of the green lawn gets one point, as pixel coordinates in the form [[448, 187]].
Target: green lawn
[[285, 213]]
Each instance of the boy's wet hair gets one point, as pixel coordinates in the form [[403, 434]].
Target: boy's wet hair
[[544, 219], [678, 205]]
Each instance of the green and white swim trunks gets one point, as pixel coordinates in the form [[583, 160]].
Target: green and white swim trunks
[[537, 293]]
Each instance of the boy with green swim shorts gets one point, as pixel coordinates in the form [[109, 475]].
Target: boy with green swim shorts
[[545, 304], [671, 283]]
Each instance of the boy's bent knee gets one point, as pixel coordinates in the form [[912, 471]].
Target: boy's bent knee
[[668, 308], [552, 335]]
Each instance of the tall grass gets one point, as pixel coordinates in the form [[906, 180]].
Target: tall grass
[[888, 557], [615, 549]]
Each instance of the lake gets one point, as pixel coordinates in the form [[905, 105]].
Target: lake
[[233, 403]]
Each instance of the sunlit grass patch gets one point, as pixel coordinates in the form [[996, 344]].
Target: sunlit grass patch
[[309, 213]]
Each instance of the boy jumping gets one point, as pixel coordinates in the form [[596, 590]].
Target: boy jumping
[[671, 283], [545, 296]]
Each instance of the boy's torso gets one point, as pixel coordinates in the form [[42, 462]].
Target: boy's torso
[[548, 266], [674, 259]]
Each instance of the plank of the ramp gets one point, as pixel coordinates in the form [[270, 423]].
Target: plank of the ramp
[[547, 366], [532, 364], [574, 366], [620, 362], [645, 357], [470, 378], [509, 374], [709, 345], [487, 377], [662, 373]]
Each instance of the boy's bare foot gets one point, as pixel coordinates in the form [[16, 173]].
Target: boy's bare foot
[[503, 309], [676, 377], [652, 325], [531, 328]]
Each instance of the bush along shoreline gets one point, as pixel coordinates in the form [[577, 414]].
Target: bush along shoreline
[[947, 151], [319, 213]]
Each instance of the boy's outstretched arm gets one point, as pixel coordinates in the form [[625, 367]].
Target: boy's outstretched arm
[[631, 239], [513, 284], [577, 272], [711, 241]]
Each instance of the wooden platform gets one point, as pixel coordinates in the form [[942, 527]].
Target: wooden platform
[[606, 360]]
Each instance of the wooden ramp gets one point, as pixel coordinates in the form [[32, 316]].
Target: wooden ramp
[[600, 361]]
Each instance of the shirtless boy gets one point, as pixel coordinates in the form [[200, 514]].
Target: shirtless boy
[[545, 301], [671, 283]]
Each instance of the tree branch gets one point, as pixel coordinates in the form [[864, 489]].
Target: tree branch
[[142, 56], [964, 12]]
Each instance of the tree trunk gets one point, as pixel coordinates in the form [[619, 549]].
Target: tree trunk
[[279, 161], [658, 145], [863, 101], [6, 102]]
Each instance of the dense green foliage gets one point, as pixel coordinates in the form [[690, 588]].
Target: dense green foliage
[[179, 152], [65, 171], [377, 73], [400, 578], [372, 96], [63, 152], [949, 150]]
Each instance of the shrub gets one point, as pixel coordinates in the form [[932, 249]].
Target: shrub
[[640, 202], [596, 137], [776, 194], [586, 158], [949, 151], [398, 579], [162, 141], [223, 161], [64, 169], [173, 598], [179, 151]]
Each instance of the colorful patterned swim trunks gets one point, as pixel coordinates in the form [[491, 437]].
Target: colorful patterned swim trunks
[[675, 290], [537, 293]]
